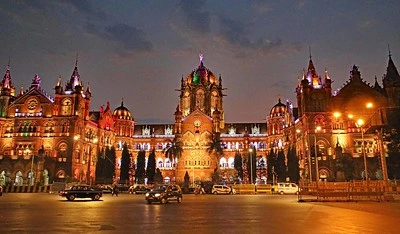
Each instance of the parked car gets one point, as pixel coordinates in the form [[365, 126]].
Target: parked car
[[139, 189], [105, 188], [123, 187], [286, 188], [222, 189], [81, 191], [164, 193], [1, 191]]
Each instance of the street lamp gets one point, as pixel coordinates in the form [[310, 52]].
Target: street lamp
[[359, 124], [318, 128], [251, 165]]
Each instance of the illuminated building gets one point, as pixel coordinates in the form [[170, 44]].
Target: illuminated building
[[60, 138]]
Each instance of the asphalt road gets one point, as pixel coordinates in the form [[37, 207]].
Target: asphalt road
[[49, 213]]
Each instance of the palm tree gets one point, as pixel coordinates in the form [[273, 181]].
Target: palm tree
[[173, 149], [214, 146]]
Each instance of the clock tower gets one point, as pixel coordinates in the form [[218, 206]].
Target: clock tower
[[198, 119]]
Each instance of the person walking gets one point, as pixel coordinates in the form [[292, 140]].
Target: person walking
[[115, 191]]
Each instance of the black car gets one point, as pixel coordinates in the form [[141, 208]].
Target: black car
[[81, 191], [164, 193]]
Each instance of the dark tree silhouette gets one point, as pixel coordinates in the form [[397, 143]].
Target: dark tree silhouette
[[238, 164], [158, 178], [151, 167], [125, 164], [271, 162], [174, 149], [140, 167], [280, 166], [109, 165], [293, 165]]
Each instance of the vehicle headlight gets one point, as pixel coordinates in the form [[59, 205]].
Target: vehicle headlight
[[147, 194], [157, 195]]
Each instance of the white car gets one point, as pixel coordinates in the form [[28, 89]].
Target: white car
[[222, 189], [287, 188]]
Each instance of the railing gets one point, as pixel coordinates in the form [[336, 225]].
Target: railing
[[345, 191]]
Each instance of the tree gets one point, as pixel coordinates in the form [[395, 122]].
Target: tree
[[293, 168], [151, 167], [214, 146], [174, 149], [271, 162], [158, 178], [238, 164], [125, 164], [140, 167], [280, 166], [109, 165], [100, 167]]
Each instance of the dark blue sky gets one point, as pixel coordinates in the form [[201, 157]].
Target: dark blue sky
[[139, 50]]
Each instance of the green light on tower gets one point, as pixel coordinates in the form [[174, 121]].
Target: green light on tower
[[196, 79]]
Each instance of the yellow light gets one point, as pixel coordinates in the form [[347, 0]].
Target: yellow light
[[318, 128], [360, 122], [350, 116], [298, 130], [337, 114], [76, 137], [369, 105]]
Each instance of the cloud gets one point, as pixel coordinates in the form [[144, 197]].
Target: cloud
[[234, 36], [195, 18], [261, 6], [129, 38]]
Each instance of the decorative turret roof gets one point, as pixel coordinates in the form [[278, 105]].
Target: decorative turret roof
[[36, 82], [75, 78], [377, 87], [122, 112], [392, 77], [6, 82], [88, 93]]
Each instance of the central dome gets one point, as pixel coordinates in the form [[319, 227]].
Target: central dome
[[201, 75], [278, 110], [122, 112]]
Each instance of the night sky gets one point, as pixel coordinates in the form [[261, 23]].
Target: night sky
[[139, 50]]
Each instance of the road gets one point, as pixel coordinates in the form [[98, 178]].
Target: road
[[49, 213]]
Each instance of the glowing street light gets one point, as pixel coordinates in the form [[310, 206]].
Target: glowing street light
[[251, 165], [360, 124]]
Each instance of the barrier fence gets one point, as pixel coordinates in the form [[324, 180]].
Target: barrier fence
[[27, 189], [348, 191]]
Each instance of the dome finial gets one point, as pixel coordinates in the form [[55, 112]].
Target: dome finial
[[201, 57], [122, 101], [309, 51], [390, 54]]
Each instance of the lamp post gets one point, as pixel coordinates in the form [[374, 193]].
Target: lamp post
[[251, 165], [359, 124], [31, 179], [318, 128]]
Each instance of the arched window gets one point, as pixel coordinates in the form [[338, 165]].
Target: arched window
[[223, 163]]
